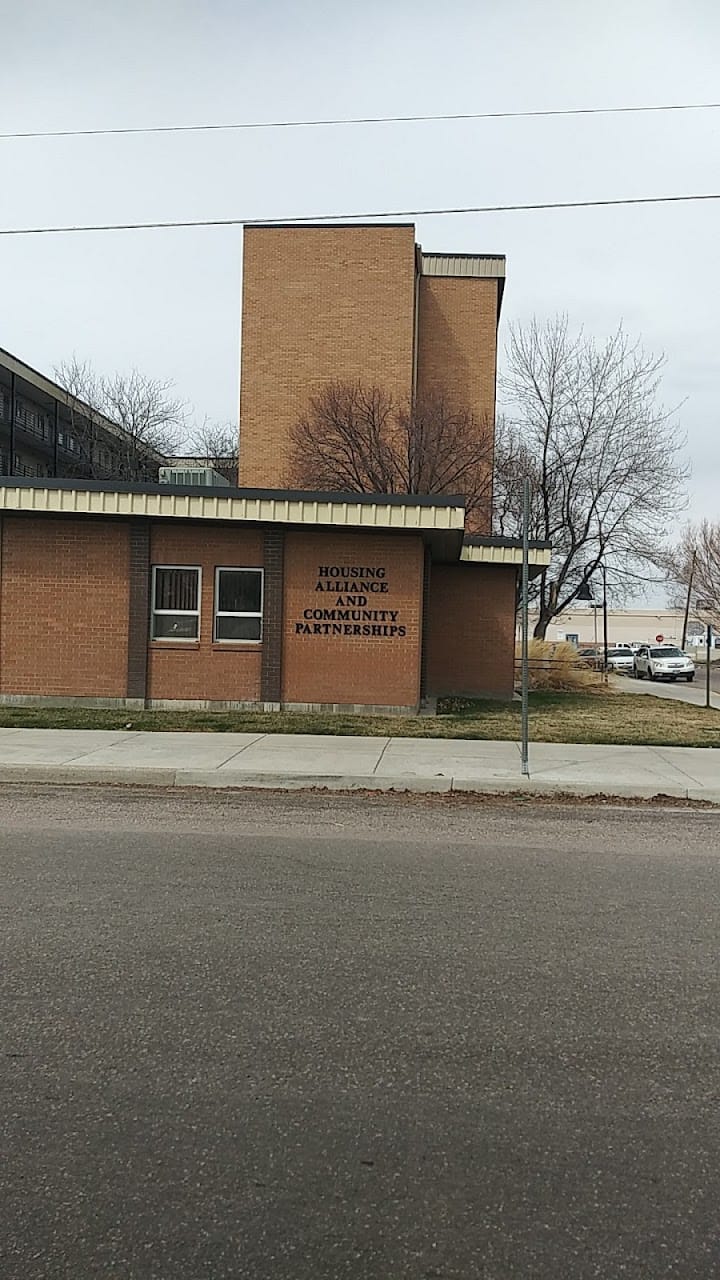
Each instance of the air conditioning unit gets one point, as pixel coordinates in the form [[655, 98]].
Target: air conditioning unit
[[206, 477]]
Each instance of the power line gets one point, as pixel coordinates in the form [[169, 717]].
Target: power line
[[354, 217], [360, 120]]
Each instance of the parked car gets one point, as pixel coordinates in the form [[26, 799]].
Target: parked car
[[663, 662], [593, 657], [621, 659]]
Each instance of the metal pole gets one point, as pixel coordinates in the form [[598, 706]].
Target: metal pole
[[708, 643], [687, 602], [605, 643], [524, 651]]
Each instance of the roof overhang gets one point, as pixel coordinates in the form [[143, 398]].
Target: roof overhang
[[465, 266], [507, 552], [439, 522]]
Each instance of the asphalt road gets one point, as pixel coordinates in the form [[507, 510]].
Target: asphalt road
[[680, 691], [309, 1037]]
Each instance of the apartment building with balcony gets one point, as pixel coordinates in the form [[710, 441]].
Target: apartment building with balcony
[[47, 433]]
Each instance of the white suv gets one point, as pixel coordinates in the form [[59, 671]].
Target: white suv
[[665, 662]]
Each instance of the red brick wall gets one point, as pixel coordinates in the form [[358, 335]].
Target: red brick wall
[[64, 607], [471, 630], [64, 594], [204, 670], [320, 304], [354, 668]]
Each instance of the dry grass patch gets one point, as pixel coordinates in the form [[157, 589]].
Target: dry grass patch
[[597, 716], [558, 667], [611, 718]]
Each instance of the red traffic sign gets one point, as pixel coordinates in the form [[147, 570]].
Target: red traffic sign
[[659, 639]]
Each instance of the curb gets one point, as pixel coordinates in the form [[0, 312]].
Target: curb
[[219, 780], [310, 781]]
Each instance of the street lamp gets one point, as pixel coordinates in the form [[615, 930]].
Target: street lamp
[[585, 593]]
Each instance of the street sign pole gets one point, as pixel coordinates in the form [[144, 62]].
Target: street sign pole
[[525, 762], [687, 600], [605, 627], [708, 645]]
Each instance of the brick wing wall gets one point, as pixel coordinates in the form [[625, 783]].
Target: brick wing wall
[[64, 607], [471, 630], [337, 650], [320, 304]]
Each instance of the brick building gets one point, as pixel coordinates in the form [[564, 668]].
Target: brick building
[[157, 594], [361, 303], [151, 594]]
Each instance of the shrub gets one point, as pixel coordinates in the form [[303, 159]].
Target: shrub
[[558, 666]]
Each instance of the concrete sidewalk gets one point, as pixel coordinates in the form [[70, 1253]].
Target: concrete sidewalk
[[290, 761]]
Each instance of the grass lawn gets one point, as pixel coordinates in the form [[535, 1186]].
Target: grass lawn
[[598, 717]]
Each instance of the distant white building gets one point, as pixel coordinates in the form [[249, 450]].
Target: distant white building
[[582, 625]]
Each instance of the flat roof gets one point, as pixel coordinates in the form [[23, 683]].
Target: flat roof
[[439, 521], [307, 495], [321, 226]]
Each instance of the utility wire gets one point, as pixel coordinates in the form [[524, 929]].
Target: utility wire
[[353, 217], [358, 120]]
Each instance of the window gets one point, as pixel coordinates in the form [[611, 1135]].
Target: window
[[175, 603], [238, 604]]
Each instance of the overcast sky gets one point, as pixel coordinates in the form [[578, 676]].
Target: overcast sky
[[168, 302]]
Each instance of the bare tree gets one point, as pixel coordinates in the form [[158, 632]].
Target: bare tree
[[126, 424], [694, 569], [150, 418], [216, 445], [83, 397], [604, 458], [357, 439]]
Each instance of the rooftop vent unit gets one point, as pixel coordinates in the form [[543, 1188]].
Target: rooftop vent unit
[[205, 477]]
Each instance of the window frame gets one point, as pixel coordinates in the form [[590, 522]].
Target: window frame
[[191, 613], [226, 613]]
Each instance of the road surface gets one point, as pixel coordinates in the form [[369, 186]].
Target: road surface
[[681, 691], [313, 1038]]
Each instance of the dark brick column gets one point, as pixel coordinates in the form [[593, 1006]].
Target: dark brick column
[[425, 630], [271, 676], [139, 611]]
